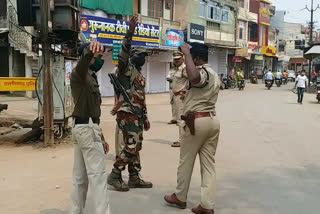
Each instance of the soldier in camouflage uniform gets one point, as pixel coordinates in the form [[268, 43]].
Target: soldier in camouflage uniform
[[129, 120]]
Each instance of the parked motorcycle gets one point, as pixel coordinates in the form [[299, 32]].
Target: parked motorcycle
[[231, 83], [318, 92], [268, 84], [225, 83], [241, 84]]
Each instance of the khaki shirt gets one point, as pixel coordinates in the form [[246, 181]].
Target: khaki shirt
[[85, 88], [179, 79], [203, 96]]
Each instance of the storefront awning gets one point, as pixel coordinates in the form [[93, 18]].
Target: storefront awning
[[315, 50]]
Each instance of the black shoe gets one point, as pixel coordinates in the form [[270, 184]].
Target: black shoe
[[135, 181], [115, 180]]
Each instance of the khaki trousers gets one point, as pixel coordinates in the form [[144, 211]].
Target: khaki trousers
[[119, 145], [204, 143], [173, 109], [89, 167], [178, 105]]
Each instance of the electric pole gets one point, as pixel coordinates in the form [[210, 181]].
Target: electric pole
[[47, 74], [311, 37]]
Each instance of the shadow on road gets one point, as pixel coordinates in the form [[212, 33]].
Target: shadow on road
[[285, 191]]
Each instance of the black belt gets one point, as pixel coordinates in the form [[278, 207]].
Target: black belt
[[85, 120]]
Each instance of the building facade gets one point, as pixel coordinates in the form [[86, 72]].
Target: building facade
[[218, 20], [157, 14], [265, 55], [17, 57]]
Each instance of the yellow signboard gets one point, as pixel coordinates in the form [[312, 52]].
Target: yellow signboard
[[17, 84], [242, 52], [269, 51]]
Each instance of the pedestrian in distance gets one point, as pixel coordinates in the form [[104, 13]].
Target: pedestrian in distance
[[201, 132], [132, 116], [89, 144], [301, 84]]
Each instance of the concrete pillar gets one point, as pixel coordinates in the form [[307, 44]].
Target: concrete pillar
[[10, 62], [28, 72]]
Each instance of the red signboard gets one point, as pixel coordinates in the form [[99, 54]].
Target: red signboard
[[264, 13], [237, 59]]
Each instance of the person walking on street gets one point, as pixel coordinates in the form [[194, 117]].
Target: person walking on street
[[201, 133], [179, 87], [131, 115], [301, 84], [89, 145]]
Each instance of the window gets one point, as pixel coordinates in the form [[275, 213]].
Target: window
[[225, 15], [155, 8], [202, 9], [241, 3], [214, 11], [241, 33]]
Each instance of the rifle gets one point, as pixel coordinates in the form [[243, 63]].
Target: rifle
[[119, 89]]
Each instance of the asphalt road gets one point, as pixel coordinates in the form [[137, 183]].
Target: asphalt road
[[266, 163]]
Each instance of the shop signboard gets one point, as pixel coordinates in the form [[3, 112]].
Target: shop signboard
[[243, 52], [196, 33], [269, 51], [107, 31], [171, 38], [18, 84], [264, 13]]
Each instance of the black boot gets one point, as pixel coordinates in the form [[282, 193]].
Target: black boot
[[115, 180], [135, 180]]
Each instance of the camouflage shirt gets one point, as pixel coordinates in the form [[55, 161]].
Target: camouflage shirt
[[131, 79]]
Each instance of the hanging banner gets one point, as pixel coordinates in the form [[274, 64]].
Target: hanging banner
[[17, 84], [171, 38], [264, 14], [107, 31]]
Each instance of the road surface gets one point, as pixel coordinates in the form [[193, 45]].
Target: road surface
[[267, 160]]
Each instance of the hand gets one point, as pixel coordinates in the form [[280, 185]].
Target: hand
[[146, 125], [133, 23], [184, 49], [113, 112], [96, 47], [106, 147]]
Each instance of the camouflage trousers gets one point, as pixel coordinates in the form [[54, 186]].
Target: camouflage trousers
[[132, 130]]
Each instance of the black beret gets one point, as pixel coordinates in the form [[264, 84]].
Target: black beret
[[198, 47]]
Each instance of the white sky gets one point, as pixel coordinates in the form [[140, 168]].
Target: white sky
[[294, 14]]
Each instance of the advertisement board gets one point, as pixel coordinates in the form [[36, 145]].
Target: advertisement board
[[107, 31], [269, 51], [264, 13], [196, 33], [17, 84], [171, 38]]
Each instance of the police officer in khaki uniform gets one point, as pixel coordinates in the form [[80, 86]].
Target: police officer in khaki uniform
[[202, 130], [89, 145], [179, 87], [173, 110]]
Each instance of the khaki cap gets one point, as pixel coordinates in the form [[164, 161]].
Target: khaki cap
[[177, 55]]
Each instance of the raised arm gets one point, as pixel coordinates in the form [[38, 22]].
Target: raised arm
[[192, 71], [85, 60], [126, 46]]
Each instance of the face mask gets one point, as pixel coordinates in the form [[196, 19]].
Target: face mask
[[138, 61], [97, 65]]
